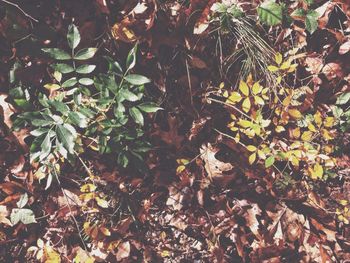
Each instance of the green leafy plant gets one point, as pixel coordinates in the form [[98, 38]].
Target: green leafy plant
[[104, 111], [21, 214], [272, 13]]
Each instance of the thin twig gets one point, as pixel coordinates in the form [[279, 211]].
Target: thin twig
[[20, 9]]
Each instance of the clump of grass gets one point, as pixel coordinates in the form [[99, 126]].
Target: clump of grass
[[251, 49]]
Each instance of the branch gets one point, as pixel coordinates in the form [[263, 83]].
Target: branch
[[20, 9]]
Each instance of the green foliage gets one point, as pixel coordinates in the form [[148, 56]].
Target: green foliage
[[20, 214], [106, 109], [270, 13]]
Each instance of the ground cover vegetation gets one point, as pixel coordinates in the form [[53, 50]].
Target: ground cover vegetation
[[174, 131]]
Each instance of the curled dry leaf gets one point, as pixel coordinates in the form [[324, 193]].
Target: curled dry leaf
[[214, 167], [123, 250], [332, 70]]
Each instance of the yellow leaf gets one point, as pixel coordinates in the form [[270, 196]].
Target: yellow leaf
[[52, 86], [280, 129], [279, 79], [86, 197], [318, 118], [285, 65], [296, 114], [278, 58], [244, 123], [296, 133], [287, 101], [343, 202], [86, 188], [58, 76], [101, 202], [51, 256], [329, 122], [272, 68], [256, 89], [307, 136], [294, 160], [180, 169], [312, 127], [326, 135], [259, 100], [261, 154], [292, 68], [317, 171], [235, 97], [252, 158], [165, 253], [222, 85], [251, 148], [246, 105], [243, 87]]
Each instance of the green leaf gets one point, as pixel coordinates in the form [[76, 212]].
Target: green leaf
[[270, 13], [45, 147], [73, 36], [85, 53], [85, 69], [136, 114], [63, 68], [299, 12], [26, 216], [113, 66], [131, 58], [137, 80], [311, 22], [69, 82], [343, 98], [59, 106], [66, 137], [57, 53], [86, 81], [78, 119], [22, 201], [128, 95], [269, 161], [149, 107]]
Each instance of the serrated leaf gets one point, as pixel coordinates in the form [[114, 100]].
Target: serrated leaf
[[85, 69], [137, 80], [73, 36], [26, 216], [343, 98], [85, 53], [270, 13], [136, 114], [311, 22], [57, 53]]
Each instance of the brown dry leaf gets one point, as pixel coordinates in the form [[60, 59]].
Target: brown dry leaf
[[344, 48], [332, 70], [172, 136], [214, 167], [177, 196], [3, 216], [123, 250], [314, 64]]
